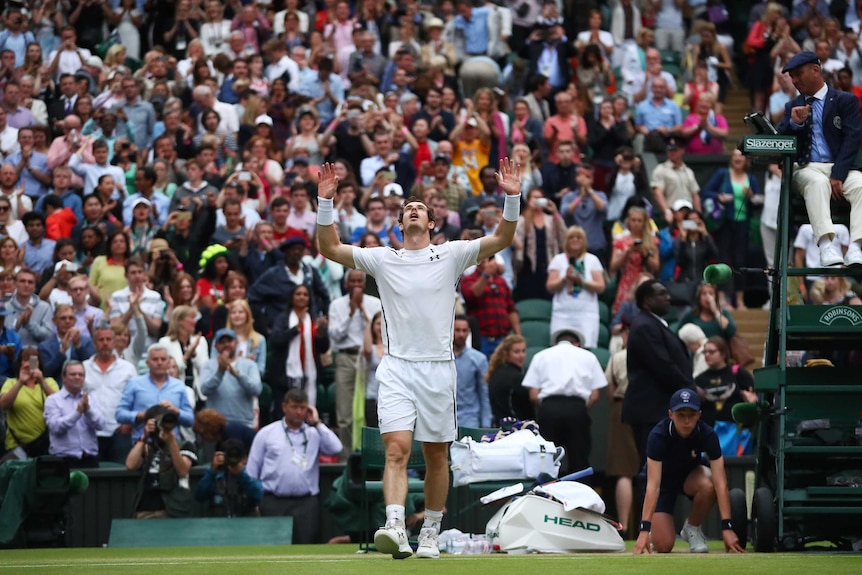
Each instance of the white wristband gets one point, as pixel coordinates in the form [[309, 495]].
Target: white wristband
[[325, 214], [511, 208]]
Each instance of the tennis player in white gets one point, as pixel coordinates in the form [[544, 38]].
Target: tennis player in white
[[417, 374]]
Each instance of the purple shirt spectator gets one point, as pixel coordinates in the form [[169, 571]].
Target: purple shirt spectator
[[73, 434]]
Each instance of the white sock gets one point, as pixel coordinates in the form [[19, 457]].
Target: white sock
[[395, 514], [433, 519]]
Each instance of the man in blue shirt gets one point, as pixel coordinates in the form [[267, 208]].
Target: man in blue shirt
[[674, 466], [154, 388], [472, 403], [473, 23], [32, 166], [140, 114], [145, 182], [657, 117], [10, 346], [38, 251], [324, 88], [61, 178]]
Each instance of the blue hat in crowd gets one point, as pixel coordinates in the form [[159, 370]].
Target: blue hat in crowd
[[800, 60], [684, 399], [224, 332]]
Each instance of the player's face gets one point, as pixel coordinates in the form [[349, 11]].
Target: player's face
[[684, 420], [415, 216]]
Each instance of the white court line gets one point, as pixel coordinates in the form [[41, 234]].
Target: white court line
[[87, 563]]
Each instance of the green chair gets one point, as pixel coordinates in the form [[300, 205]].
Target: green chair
[[610, 294], [602, 354], [371, 463], [468, 495], [672, 315], [604, 336], [534, 309], [604, 313], [537, 333], [264, 402], [531, 351], [670, 57]]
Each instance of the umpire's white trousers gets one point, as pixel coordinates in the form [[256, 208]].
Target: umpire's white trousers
[[812, 181]]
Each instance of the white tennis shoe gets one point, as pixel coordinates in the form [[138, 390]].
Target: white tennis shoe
[[695, 537], [428, 547], [391, 539]]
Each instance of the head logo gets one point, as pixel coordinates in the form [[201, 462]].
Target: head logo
[[839, 313]]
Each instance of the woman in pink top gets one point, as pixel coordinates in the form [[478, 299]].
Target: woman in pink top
[[705, 129]]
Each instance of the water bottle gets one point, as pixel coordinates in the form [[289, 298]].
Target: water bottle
[[859, 429]]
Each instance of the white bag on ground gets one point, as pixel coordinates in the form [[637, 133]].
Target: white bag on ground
[[534, 523], [520, 455]]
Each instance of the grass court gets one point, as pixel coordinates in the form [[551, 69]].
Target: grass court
[[343, 560]]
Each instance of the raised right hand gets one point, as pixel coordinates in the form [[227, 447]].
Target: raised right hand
[[328, 181]]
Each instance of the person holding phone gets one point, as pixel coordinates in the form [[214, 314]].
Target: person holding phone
[[73, 420], [23, 399], [285, 458]]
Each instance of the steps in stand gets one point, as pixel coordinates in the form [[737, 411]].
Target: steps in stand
[[752, 325]]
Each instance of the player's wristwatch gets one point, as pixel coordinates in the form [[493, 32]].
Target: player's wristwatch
[[645, 526], [726, 525]]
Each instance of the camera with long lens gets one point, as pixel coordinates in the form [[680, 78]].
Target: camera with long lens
[[234, 453], [167, 421]]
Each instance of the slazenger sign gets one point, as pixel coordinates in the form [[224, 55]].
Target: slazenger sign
[[841, 312], [769, 144]]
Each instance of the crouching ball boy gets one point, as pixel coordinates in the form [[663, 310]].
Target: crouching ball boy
[[674, 466]]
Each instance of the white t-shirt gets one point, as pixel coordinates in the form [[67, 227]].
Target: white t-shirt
[[417, 291], [151, 305], [583, 300], [805, 240], [565, 369], [252, 218], [70, 61]]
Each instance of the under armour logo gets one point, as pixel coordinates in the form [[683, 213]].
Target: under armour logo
[[432, 258]]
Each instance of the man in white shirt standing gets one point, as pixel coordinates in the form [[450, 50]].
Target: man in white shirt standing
[[106, 377], [8, 137], [417, 374], [276, 52], [137, 296], [348, 317], [68, 59], [564, 382]]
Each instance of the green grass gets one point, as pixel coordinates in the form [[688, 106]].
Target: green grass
[[342, 560]]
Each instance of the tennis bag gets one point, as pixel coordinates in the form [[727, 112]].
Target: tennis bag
[[519, 455]]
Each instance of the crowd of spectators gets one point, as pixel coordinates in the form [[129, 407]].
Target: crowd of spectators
[[157, 187]]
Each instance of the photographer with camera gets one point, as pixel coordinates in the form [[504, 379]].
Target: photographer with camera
[[164, 464], [226, 487], [284, 456]]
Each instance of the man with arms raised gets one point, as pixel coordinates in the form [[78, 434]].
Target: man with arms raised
[[417, 373]]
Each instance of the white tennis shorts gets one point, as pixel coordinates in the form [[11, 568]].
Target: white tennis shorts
[[417, 396]]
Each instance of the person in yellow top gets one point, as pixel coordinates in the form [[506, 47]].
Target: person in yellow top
[[472, 142], [108, 272], [23, 399]]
